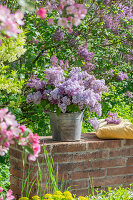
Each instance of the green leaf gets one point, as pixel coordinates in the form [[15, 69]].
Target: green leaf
[[26, 133], [28, 149]]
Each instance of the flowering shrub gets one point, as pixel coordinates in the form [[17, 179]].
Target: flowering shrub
[[70, 13], [8, 195], [9, 22], [11, 131], [67, 91]]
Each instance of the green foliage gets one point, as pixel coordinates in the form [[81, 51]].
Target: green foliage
[[12, 48], [51, 176], [4, 176]]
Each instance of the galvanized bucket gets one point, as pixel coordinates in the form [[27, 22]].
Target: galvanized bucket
[[66, 126]]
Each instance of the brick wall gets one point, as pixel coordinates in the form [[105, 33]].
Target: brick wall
[[91, 161]]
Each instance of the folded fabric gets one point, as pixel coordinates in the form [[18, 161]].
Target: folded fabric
[[124, 130]]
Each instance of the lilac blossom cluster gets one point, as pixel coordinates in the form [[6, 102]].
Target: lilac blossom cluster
[[58, 35], [77, 88], [87, 57], [129, 94], [11, 131], [121, 76], [113, 21], [113, 118]]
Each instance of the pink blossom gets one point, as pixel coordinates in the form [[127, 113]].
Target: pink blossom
[[70, 18], [70, 30], [22, 128], [31, 157], [0, 42], [76, 21], [63, 22], [4, 12], [1, 198], [70, 10], [42, 13], [9, 195], [22, 142], [1, 189], [6, 144], [10, 131], [18, 17], [10, 28]]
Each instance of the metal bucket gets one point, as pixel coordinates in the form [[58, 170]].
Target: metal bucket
[[66, 126]]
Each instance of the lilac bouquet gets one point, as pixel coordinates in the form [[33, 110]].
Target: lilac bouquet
[[63, 91]]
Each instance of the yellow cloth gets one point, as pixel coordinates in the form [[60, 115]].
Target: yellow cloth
[[124, 130]]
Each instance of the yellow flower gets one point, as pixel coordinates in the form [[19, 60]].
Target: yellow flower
[[36, 198], [55, 196], [47, 196], [83, 198], [24, 198], [58, 193], [68, 195], [50, 199]]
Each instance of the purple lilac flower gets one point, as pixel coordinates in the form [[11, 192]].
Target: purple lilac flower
[[121, 76], [58, 35], [73, 42], [113, 119], [36, 83], [29, 98], [113, 21], [111, 72], [94, 123], [37, 96], [84, 54], [89, 66], [99, 86], [54, 75], [54, 61], [129, 94]]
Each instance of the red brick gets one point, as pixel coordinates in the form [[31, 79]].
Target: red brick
[[120, 171], [88, 174], [104, 144], [14, 180], [121, 152], [128, 180], [128, 143], [14, 163], [80, 175], [109, 163], [78, 166], [80, 184], [130, 161], [109, 181], [15, 153], [60, 157], [69, 147], [15, 172], [63, 176], [88, 156], [81, 192]]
